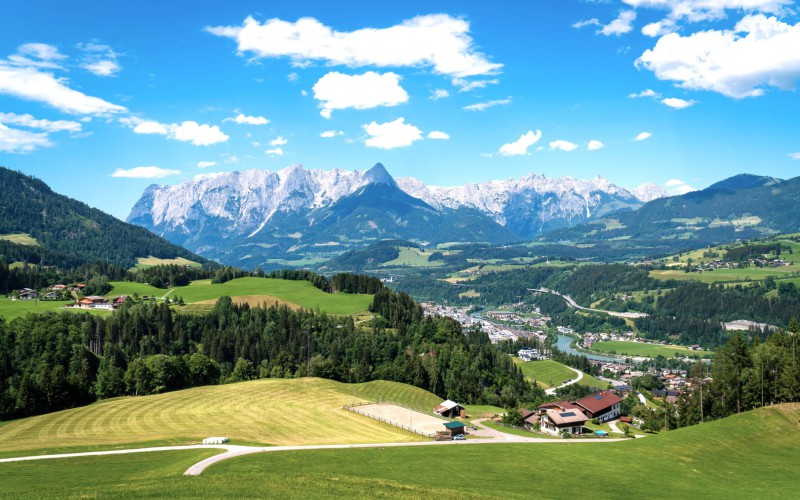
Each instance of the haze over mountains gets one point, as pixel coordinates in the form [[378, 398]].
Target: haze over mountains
[[245, 217]]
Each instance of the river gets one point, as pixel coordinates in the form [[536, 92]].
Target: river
[[563, 345]]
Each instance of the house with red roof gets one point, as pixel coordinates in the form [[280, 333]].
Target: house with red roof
[[603, 405]]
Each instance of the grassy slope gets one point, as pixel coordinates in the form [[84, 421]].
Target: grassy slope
[[639, 349], [145, 262], [549, 373], [129, 288], [412, 257], [20, 239], [301, 293], [753, 455], [271, 411], [10, 309]]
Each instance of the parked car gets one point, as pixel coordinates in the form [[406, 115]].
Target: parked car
[[459, 437]]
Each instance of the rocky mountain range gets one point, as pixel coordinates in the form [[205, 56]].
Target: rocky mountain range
[[261, 217]]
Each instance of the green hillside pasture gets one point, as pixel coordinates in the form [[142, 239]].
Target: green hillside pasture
[[11, 309], [413, 257], [547, 373], [20, 239], [57, 478], [270, 411], [302, 293], [649, 350], [720, 275], [751, 455], [131, 288], [145, 262]]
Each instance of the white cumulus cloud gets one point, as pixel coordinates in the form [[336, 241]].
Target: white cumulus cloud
[[14, 140], [703, 10], [758, 52], [594, 145], [521, 145], [645, 93], [241, 119], [206, 164], [465, 85], [31, 84], [150, 172], [29, 121], [676, 103], [339, 91], [330, 133], [188, 131], [437, 134], [275, 152], [619, 26], [390, 135], [438, 41], [678, 187], [99, 59], [562, 145], [280, 141], [439, 94], [643, 136], [482, 106]]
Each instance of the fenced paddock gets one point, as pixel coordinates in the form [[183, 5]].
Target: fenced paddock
[[399, 416]]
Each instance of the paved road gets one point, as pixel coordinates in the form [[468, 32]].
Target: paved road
[[574, 305], [552, 390], [488, 435]]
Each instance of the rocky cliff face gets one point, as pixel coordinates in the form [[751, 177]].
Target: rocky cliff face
[[247, 216]]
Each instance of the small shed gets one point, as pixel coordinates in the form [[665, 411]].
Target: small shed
[[454, 427], [449, 409]]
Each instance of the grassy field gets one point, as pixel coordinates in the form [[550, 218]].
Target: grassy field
[[549, 373], [271, 411], [129, 288], [20, 239], [11, 309], [718, 275], [413, 257], [302, 293], [752, 455], [145, 262], [649, 350]]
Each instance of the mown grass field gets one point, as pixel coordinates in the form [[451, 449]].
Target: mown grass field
[[20, 239], [649, 350], [145, 262], [549, 373], [412, 257], [752, 455], [270, 411], [302, 293]]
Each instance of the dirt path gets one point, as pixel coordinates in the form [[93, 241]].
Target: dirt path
[[491, 436], [552, 390]]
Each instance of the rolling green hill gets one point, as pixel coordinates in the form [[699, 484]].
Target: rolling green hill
[[270, 411], [70, 233], [751, 455]]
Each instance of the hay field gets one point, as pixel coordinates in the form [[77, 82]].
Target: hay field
[[270, 411]]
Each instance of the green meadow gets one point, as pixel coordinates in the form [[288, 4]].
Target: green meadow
[[751, 455], [649, 350], [11, 309], [549, 373]]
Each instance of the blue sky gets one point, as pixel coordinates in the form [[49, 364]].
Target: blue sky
[[101, 99]]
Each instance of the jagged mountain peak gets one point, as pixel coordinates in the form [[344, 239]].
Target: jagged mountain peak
[[378, 175]]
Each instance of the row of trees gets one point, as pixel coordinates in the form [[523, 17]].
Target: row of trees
[[54, 361]]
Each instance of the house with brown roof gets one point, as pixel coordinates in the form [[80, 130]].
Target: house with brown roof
[[557, 422], [603, 405], [92, 302]]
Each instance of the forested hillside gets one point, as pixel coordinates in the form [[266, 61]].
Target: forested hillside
[[54, 361], [68, 232]]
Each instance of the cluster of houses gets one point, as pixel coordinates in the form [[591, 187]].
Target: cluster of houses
[[530, 355], [569, 417], [513, 317], [99, 303], [495, 331], [52, 292], [726, 264], [590, 338]]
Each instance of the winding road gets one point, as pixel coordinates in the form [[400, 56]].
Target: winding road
[[574, 305], [552, 390], [483, 436]]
